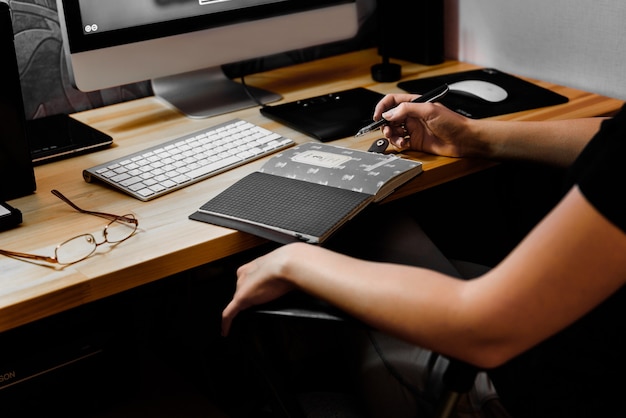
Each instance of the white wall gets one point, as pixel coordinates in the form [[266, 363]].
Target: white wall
[[576, 43]]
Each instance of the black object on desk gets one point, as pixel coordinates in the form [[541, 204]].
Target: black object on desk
[[330, 116], [522, 95], [9, 216], [61, 136]]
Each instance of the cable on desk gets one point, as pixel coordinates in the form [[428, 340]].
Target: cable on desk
[[249, 93]]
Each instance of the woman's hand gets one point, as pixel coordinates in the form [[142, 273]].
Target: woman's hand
[[427, 127], [259, 281]]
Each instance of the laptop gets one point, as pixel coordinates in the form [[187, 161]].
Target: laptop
[[60, 136]]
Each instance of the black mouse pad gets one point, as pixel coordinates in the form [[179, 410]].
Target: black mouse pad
[[330, 116], [522, 95]]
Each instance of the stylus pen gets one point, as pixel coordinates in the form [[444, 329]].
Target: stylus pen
[[431, 96]]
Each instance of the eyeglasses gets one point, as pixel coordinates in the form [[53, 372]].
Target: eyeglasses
[[82, 246]]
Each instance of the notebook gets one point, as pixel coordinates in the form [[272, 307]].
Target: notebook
[[307, 192]]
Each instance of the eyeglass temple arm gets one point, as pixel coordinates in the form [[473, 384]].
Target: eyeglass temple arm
[[101, 214], [28, 256]]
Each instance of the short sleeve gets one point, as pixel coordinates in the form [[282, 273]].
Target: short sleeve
[[600, 171]]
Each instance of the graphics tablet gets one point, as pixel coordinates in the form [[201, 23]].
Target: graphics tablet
[[330, 116]]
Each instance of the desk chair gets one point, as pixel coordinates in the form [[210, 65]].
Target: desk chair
[[257, 331], [457, 379]]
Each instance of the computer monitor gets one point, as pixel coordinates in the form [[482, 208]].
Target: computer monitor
[[180, 45]]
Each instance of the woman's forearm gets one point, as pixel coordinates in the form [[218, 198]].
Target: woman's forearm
[[555, 143], [385, 296], [487, 320]]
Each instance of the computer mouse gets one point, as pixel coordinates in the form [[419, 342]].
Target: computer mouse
[[479, 89]]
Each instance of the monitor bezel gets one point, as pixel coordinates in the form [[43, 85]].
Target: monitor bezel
[[79, 41], [184, 64]]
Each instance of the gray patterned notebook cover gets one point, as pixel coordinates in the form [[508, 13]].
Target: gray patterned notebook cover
[[307, 192]]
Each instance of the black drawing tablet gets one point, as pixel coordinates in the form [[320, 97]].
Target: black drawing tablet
[[330, 116], [522, 95]]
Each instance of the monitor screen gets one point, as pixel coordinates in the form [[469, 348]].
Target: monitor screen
[[180, 45]]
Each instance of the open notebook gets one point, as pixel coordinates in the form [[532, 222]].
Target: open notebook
[[307, 192]]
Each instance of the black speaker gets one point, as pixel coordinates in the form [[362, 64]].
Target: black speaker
[[17, 177], [412, 32]]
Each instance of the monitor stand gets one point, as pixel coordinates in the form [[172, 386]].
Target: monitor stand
[[208, 92]]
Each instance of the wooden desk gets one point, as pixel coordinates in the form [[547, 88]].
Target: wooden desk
[[168, 242]]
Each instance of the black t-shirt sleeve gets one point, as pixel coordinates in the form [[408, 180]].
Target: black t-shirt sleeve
[[600, 170]]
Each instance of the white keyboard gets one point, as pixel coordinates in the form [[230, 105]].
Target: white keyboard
[[182, 161]]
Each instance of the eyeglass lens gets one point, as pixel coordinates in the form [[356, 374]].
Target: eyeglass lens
[[75, 249], [120, 229], [82, 246]]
